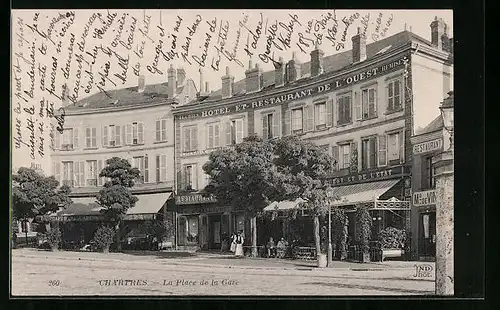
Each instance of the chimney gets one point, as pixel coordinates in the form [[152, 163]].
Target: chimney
[[279, 73], [203, 91], [438, 33], [316, 61], [358, 47], [171, 82], [142, 84], [227, 85], [292, 69], [181, 76], [253, 79]]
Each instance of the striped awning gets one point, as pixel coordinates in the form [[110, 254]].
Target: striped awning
[[284, 205], [361, 193]]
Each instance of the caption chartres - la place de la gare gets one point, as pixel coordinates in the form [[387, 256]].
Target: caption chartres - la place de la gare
[[375, 109]]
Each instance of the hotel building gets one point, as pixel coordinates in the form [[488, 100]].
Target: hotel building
[[134, 123], [362, 106]]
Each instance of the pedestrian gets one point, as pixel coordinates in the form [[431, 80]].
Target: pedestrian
[[282, 244], [239, 245], [271, 248], [233, 243]]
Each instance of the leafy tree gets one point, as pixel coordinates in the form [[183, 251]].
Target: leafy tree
[[302, 168], [243, 178], [34, 194], [364, 222], [115, 196], [103, 238]]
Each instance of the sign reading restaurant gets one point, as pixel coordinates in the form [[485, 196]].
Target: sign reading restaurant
[[428, 146], [191, 199], [424, 198], [341, 82]]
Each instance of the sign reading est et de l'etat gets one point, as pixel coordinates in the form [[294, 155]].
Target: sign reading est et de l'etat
[[360, 177], [340, 82]]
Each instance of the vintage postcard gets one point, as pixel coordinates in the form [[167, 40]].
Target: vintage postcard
[[232, 152]]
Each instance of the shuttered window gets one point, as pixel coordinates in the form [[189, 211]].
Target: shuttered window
[[213, 135], [92, 173], [161, 130], [320, 115], [369, 102], [90, 137], [344, 156], [190, 137], [297, 120], [369, 153], [344, 109], [382, 150], [394, 95]]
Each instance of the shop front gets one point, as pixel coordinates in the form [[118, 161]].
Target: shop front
[[425, 231], [203, 224]]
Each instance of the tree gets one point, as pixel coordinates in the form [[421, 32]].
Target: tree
[[34, 194], [302, 169], [243, 178], [364, 222], [115, 197]]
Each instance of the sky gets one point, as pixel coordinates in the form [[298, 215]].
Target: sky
[[109, 57]]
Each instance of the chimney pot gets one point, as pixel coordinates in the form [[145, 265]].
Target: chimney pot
[[172, 84], [316, 62], [292, 69], [358, 47], [227, 70], [227, 85]]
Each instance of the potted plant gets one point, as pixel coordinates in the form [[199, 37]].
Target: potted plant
[[54, 238], [392, 242], [364, 221], [103, 238]]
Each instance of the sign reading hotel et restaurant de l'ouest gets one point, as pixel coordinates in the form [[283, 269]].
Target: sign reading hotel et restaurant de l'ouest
[[338, 83]]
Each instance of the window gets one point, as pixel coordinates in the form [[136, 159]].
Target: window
[[90, 137], [138, 162], [70, 139], [161, 168], [112, 135], [320, 115], [161, 130], [344, 107], [190, 177], [394, 95], [234, 131], [427, 173], [146, 169], [79, 178], [92, 173], [382, 150], [395, 148], [297, 120], [190, 138], [344, 156], [100, 180], [68, 173], [369, 103], [270, 125], [134, 133], [56, 171], [369, 153], [213, 135]]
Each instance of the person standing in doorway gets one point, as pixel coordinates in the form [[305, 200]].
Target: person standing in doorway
[[239, 245]]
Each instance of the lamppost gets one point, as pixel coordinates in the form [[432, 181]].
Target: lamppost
[[329, 194], [443, 167]]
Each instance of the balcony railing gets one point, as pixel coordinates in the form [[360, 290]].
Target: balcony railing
[[67, 147]]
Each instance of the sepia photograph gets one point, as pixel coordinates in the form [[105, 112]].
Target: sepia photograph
[[232, 152]]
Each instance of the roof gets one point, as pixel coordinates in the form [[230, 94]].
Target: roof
[[435, 125], [284, 205], [124, 97], [331, 63]]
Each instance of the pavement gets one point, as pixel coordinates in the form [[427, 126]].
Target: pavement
[[87, 273]]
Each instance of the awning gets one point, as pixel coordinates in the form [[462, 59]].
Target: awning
[[361, 193], [284, 205], [88, 208]]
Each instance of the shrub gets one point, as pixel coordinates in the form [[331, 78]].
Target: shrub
[[53, 238], [392, 238], [103, 238]]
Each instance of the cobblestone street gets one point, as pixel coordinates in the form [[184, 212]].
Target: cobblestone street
[[71, 273]]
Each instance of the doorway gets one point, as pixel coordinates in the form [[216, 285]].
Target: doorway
[[427, 235], [215, 231]]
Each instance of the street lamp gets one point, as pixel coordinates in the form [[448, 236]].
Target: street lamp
[[443, 167], [329, 194]]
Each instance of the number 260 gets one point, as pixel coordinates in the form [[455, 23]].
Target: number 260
[[54, 282]]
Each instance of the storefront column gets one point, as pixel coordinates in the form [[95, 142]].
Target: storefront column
[[443, 165]]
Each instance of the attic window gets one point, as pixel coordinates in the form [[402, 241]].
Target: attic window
[[385, 49]]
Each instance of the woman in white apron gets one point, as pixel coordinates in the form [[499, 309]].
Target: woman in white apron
[[239, 245], [233, 243]]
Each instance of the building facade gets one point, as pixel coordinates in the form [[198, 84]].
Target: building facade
[[136, 124], [427, 143], [362, 106]]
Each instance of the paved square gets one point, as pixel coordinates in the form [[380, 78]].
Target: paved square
[[42, 273]]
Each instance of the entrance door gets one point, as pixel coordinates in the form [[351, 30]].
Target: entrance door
[[427, 235], [215, 231]]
